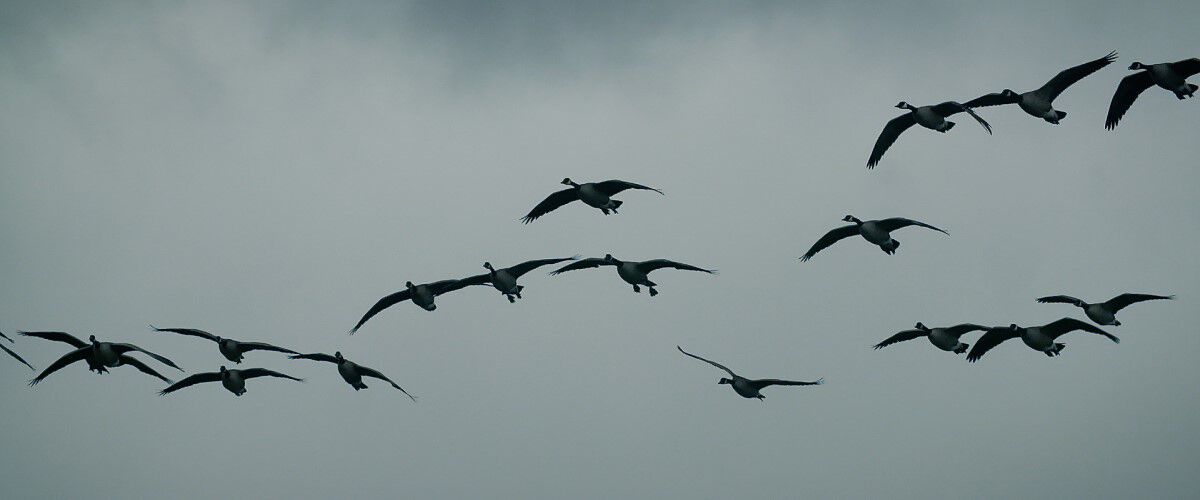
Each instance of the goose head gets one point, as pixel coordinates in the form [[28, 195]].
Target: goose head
[[1136, 66], [569, 182], [610, 259], [1009, 93], [92, 339], [338, 355], [1014, 327], [488, 266], [724, 381], [223, 370], [409, 285], [921, 326], [905, 105], [851, 218]]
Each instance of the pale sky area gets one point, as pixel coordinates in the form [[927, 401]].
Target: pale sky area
[[268, 170]]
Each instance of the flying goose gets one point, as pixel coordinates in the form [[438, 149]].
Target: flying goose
[[634, 273], [1038, 338], [1104, 313], [745, 387], [231, 349], [13, 354], [505, 280], [99, 356], [945, 339], [878, 232], [352, 372], [595, 194], [930, 117], [1039, 103], [233, 380], [1170, 76], [421, 295]]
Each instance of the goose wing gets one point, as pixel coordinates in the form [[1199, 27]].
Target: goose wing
[[383, 303], [891, 132], [714, 363], [895, 223], [5, 337], [524, 267], [142, 367], [651, 265], [551, 203], [1186, 67], [371, 372], [959, 330], [615, 186], [950, 108], [1061, 299], [766, 382], [17, 356], [188, 331], [124, 348], [1069, 76], [901, 337], [68, 358], [190, 380], [993, 337], [263, 346], [447, 286], [263, 372], [478, 279], [1066, 325], [582, 264], [830, 238], [63, 337], [995, 99], [1128, 91], [317, 356], [1121, 301]]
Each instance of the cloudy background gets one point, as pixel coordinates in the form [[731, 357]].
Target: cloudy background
[[267, 171]]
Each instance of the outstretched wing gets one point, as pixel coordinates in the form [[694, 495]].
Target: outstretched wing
[[714, 363], [1068, 77], [5, 337], [901, 337], [317, 356], [191, 380], [263, 346], [1066, 325], [447, 286], [992, 338], [67, 359], [995, 99], [761, 383], [1121, 301], [478, 279], [1128, 91], [383, 303], [615, 186], [124, 348], [1061, 299], [137, 363], [187, 331], [959, 330], [551, 203], [829, 239], [1186, 67], [18, 357], [895, 223], [582, 264], [524, 267], [950, 108], [651, 265], [890, 133], [263, 372], [370, 372], [63, 337]]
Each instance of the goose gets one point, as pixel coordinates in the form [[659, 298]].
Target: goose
[[745, 387], [231, 349], [945, 339], [1104, 313], [1039, 103], [505, 280], [13, 354], [930, 117], [1169, 76], [421, 295], [98, 357], [1038, 338], [594, 194], [634, 273], [351, 372], [233, 380], [878, 232]]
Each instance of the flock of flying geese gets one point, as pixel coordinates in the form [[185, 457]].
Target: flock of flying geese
[[100, 356]]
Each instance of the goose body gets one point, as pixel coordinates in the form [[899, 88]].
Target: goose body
[[352, 372], [505, 280], [594, 194], [233, 381], [930, 117], [744, 387], [877, 232], [1104, 313], [1039, 338], [634, 273], [232, 350], [946, 339], [1039, 103], [1171, 77]]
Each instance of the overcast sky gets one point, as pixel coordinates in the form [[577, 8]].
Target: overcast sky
[[267, 171]]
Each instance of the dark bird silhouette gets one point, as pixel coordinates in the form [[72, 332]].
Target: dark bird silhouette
[[745, 387], [99, 356], [233, 380], [945, 339], [1104, 313], [1038, 338], [1169, 76], [634, 273], [1040, 103], [930, 117], [13, 354], [594, 194], [505, 280], [421, 295], [878, 232], [352, 372], [231, 349]]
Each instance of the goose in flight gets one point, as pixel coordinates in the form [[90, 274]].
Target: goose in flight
[[594, 194], [1039, 103], [945, 339], [231, 349], [13, 354], [421, 295], [878, 232], [352, 372], [930, 117], [99, 356], [634, 273], [1169, 76], [505, 280], [233, 380], [1038, 338], [1104, 313], [745, 387]]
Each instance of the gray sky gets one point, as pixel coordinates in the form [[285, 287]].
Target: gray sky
[[268, 171]]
